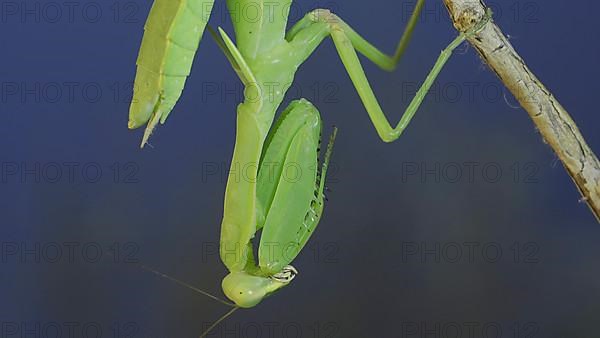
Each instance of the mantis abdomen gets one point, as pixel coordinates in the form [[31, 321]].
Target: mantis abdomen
[[171, 37]]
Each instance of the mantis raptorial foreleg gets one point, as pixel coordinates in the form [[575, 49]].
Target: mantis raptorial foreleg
[[289, 207], [347, 43]]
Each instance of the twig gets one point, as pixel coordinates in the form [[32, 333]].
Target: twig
[[551, 119]]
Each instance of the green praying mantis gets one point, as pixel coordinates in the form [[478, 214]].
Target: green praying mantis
[[266, 58]]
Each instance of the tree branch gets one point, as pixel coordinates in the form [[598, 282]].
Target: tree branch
[[551, 119]]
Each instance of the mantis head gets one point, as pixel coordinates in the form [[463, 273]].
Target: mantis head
[[247, 290]]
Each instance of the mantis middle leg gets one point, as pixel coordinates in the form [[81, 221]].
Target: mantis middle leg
[[321, 23]]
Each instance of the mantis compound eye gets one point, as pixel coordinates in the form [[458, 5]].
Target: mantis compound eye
[[247, 290]]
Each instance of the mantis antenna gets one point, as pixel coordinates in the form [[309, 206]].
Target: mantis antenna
[[195, 289], [186, 285], [225, 316]]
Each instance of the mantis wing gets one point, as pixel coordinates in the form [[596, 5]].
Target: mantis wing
[[171, 37]]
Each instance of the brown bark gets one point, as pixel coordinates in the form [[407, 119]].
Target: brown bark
[[552, 120]]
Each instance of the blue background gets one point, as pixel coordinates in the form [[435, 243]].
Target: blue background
[[162, 205]]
